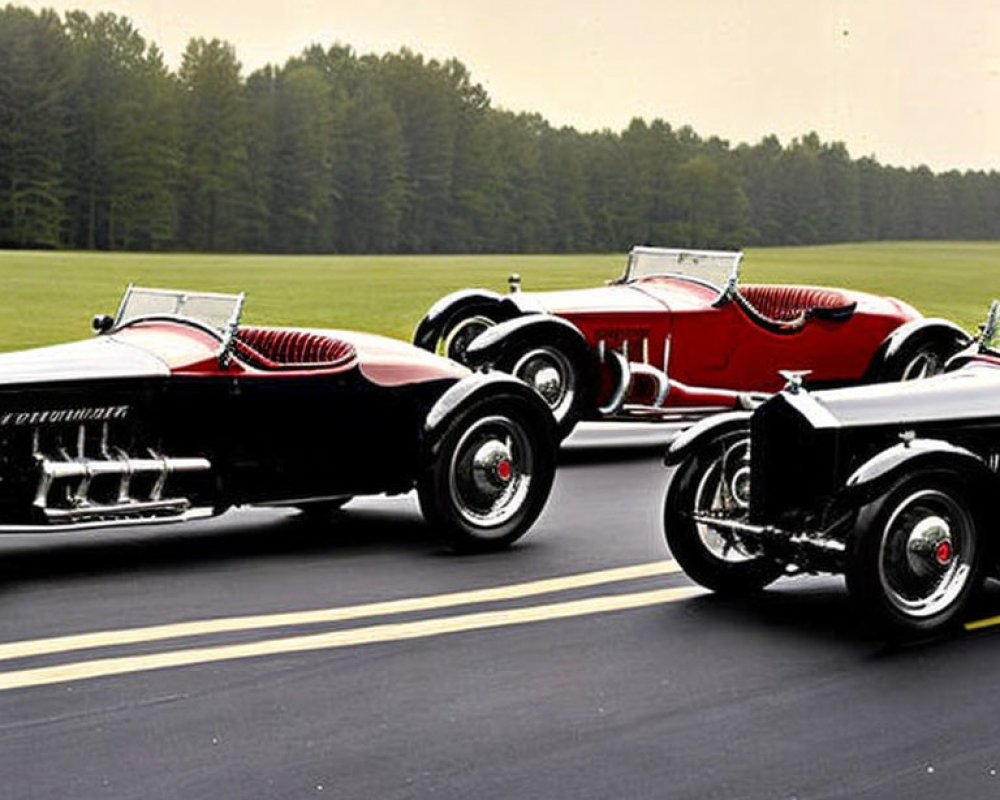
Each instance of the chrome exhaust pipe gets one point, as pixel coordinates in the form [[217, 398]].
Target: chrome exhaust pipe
[[85, 470], [658, 378], [617, 400]]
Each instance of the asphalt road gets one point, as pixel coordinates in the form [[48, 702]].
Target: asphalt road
[[589, 670]]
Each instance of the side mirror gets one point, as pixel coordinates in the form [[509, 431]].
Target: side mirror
[[102, 323]]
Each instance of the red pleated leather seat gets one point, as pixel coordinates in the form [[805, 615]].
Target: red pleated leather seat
[[789, 303], [277, 348]]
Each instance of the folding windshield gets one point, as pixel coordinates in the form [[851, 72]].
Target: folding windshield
[[221, 312], [716, 268], [989, 338]]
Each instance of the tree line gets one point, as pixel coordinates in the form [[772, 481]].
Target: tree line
[[102, 146]]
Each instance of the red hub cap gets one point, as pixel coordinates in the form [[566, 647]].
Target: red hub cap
[[942, 552], [504, 469]]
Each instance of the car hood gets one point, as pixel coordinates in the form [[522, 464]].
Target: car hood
[[97, 358], [966, 394], [648, 296]]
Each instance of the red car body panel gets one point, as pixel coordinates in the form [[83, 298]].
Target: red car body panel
[[678, 335], [672, 324]]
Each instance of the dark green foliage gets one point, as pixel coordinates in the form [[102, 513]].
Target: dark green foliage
[[121, 138], [34, 73], [215, 176], [102, 147]]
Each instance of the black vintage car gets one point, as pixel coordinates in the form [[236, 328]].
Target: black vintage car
[[893, 485], [175, 410]]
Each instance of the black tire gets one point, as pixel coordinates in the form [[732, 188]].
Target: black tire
[[488, 474], [713, 557], [557, 378], [915, 555], [921, 357]]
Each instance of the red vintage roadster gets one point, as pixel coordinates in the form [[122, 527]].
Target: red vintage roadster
[[677, 333], [176, 410]]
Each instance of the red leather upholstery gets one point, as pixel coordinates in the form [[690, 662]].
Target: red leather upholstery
[[789, 303], [275, 348]]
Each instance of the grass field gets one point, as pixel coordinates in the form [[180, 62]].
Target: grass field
[[50, 297]]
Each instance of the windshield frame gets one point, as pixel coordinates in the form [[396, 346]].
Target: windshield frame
[[716, 269], [223, 325]]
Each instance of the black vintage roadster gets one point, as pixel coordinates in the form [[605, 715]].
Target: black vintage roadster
[[893, 485], [175, 410]]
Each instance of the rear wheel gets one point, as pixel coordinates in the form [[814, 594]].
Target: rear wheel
[[920, 358], [915, 555], [715, 481], [489, 475]]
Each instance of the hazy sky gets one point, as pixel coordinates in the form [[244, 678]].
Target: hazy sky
[[909, 81]]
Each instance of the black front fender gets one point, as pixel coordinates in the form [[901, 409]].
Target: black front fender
[[484, 386], [694, 437], [918, 330], [918, 455], [492, 344], [458, 304]]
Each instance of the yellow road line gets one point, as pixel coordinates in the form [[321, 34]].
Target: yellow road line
[[79, 641], [388, 632], [982, 623]]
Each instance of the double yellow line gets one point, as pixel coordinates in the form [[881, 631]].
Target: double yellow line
[[371, 634]]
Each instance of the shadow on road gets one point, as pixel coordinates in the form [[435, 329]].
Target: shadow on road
[[236, 536], [821, 612]]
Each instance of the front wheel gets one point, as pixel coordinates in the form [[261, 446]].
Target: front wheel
[[915, 556], [715, 481], [460, 335], [548, 370], [489, 474]]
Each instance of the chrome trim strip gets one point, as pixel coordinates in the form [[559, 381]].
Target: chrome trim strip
[[788, 537], [818, 415], [90, 513], [190, 514], [300, 501]]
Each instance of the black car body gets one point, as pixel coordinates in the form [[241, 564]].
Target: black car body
[[893, 485], [175, 410]]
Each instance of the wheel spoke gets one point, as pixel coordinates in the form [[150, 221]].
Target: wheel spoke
[[713, 494]]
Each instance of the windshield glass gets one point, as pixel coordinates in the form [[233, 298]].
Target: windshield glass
[[717, 268], [221, 312], [989, 339]]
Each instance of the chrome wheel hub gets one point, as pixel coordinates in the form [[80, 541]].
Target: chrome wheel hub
[[548, 383], [490, 472], [929, 548], [492, 467], [926, 554], [549, 372], [739, 486]]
